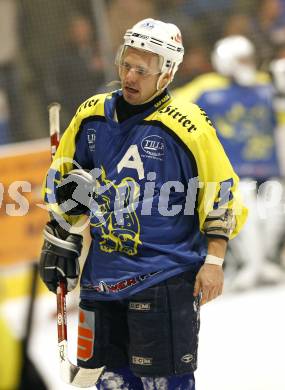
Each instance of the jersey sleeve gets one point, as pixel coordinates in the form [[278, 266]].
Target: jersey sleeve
[[65, 159], [218, 183]]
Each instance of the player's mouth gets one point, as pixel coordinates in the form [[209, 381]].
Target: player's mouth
[[131, 90]]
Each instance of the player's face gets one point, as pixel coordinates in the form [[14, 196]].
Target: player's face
[[139, 72]]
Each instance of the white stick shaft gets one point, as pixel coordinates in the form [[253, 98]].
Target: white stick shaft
[[54, 126]]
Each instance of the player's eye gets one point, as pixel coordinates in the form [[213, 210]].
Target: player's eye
[[141, 71], [126, 67]]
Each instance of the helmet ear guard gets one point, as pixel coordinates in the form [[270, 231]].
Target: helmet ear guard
[[159, 87]]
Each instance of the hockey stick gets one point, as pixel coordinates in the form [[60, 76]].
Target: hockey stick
[[70, 373], [74, 375], [54, 129]]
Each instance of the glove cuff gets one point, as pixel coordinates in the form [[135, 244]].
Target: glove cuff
[[68, 245]]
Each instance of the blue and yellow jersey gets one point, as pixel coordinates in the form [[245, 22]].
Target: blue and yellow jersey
[[244, 119], [160, 175]]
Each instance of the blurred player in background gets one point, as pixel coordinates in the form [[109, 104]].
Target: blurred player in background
[[80, 70], [277, 69], [11, 119], [239, 101], [131, 158]]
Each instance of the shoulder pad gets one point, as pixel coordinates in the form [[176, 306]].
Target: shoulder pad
[[183, 117], [92, 106], [207, 82], [263, 78]]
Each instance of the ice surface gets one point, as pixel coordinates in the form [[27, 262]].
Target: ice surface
[[242, 340]]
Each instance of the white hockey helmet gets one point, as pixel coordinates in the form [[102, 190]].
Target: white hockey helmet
[[157, 37], [227, 55]]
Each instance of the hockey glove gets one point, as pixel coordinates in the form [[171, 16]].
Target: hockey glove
[[75, 191], [59, 257]]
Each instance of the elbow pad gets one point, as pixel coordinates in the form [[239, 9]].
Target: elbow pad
[[220, 223]]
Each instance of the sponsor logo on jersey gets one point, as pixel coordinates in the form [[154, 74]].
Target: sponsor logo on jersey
[[153, 145], [103, 287], [181, 118], [187, 358], [91, 139], [89, 103], [162, 101], [206, 117]]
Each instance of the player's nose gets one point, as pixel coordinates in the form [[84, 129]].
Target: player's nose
[[131, 75]]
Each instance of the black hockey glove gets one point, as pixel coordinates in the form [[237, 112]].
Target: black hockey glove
[[59, 257], [74, 193]]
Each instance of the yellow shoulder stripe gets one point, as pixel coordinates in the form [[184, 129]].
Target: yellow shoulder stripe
[[207, 82], [92, 106], [195, 130], [263, 78], [193, 90]]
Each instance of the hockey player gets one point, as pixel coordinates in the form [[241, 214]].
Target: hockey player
[[238, 99], [277, 70], [162, 201]]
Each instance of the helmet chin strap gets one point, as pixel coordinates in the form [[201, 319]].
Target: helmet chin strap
[[158, 89]]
